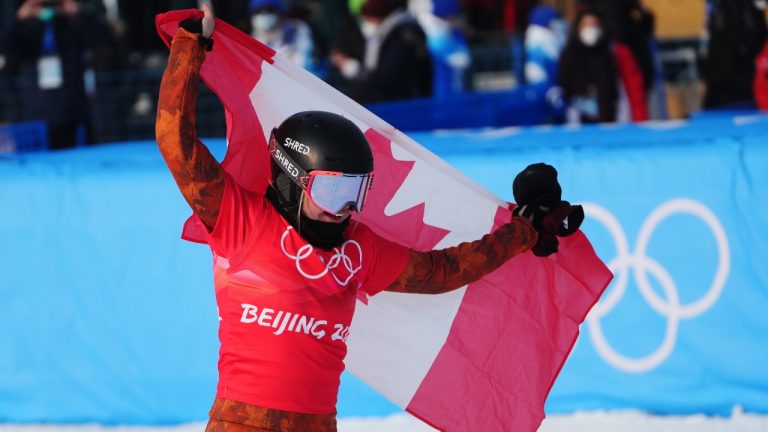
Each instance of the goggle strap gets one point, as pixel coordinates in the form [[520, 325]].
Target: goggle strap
[[285, 162]]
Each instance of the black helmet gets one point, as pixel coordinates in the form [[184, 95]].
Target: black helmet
[[315, 140]]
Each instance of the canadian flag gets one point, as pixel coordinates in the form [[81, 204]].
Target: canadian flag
[[481, 358]]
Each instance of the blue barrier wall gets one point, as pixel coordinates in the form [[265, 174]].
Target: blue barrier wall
[[522, 106], [108, 317]]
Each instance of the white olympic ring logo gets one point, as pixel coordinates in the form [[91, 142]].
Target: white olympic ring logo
[[340, 257], [642, 265]]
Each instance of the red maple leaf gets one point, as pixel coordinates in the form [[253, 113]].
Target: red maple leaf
[[407, 227]]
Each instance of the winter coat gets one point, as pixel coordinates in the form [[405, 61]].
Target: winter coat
[[596, 81], [450, 55], [737, 32], [398, 66], [632, 25], [542, 46]]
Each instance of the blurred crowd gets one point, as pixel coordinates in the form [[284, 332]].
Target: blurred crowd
[[598, 58]]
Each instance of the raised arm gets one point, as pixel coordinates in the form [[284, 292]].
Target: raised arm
[[198, 174], [448, 269]]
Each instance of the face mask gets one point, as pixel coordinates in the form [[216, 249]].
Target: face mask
[[368, 28], [264, 21], [590, 35]]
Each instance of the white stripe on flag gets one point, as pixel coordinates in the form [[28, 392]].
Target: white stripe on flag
[[396, 338]]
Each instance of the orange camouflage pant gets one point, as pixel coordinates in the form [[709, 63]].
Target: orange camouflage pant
[[232, 416]]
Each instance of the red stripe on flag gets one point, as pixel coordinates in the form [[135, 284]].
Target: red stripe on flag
[[389, 176], [509, 340]]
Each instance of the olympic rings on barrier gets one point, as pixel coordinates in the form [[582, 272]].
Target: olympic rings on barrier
[[642, 265], [340, 257]]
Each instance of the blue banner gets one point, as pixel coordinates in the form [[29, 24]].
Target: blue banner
[[108, 317]]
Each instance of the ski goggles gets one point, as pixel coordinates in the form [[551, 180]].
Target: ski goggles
[[332, 191]]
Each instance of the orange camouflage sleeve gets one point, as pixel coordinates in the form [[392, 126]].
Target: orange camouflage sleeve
[[445, 270], [198, 174]]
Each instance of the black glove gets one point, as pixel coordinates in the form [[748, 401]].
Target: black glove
[[538, 196], [537, 184], [572, 221], [562, 220]]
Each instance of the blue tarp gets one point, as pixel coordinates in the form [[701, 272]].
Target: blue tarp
[[108, 317]]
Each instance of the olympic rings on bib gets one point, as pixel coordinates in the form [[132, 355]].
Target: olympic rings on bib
[[340, 257]]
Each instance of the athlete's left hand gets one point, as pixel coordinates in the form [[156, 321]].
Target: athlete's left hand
[[538, 196], [550, 223]]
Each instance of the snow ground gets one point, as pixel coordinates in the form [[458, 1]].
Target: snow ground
[[624, 421]]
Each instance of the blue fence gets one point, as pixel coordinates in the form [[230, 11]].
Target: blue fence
[[108, 317]]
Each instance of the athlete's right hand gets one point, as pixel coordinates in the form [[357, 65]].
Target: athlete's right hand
[[208, 20], [202, 27]]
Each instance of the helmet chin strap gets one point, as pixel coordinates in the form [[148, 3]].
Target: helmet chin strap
[[298, 212]]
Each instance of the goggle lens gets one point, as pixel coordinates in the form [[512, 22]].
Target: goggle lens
[[333, 192]]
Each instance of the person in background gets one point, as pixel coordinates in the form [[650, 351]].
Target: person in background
[[737, 32], [136, 22], [396, 64], [631, 24], [342, 35], [495, 20], [47, 47], [761, 79], [290, 37], [544, 40], [446, 43], [600, 79]]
